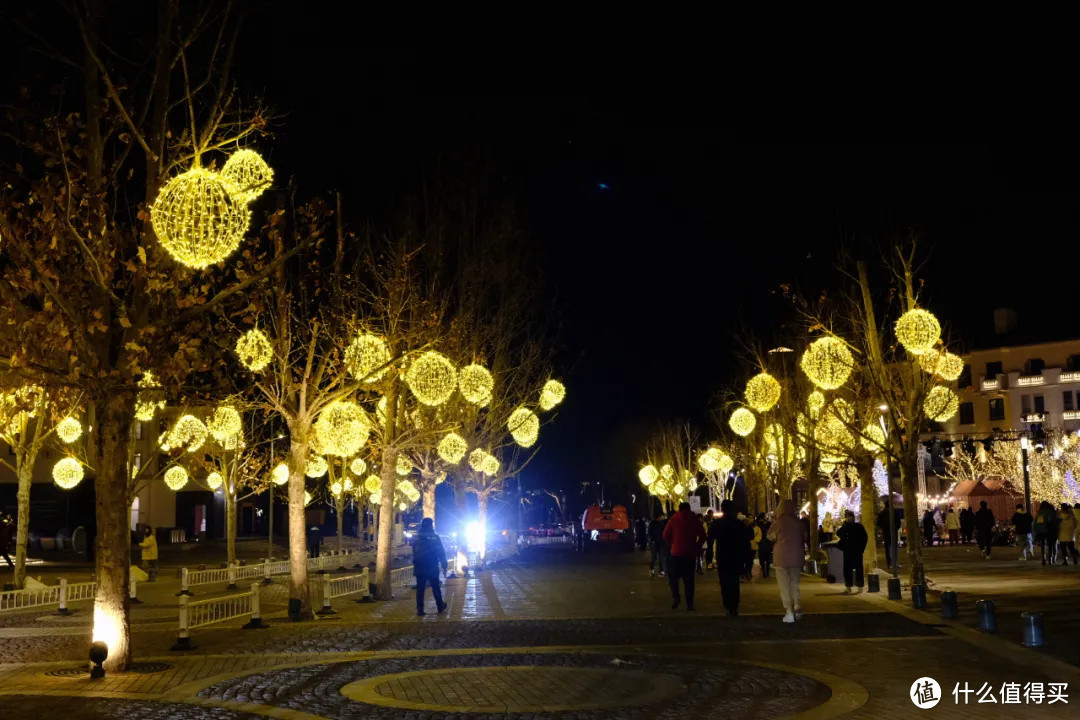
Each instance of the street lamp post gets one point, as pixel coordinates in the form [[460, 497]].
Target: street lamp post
[[1027, 472], [893, 545]]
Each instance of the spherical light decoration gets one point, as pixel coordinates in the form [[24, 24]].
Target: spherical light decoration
[[316, 466], [709, 461], [726, 463], [375, 498], [404, 465], [949, 366], [431, 378], [214, 480], [648, 475], [552, 394], [358, 466], [189, 431], [742, 422], [490, 465], [225, 425], [476, 459], [452, 448], [69, 430], [678, 489], [524, 426], [365, 356], [176, 477], [402, 507], [667, 472], [814, 402], [254, 350], [342, 428], [67, 473], [762, 392], [248, 173], [476, 384], [281, 474], [335, 488], [873, 438], [918, 331], [827, 362], [373, 483], [347, 485], [929, 361], [941, 403], [406, 488], [149, 399], [198, 219]]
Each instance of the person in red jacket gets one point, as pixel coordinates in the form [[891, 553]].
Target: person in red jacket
[[684, 537]]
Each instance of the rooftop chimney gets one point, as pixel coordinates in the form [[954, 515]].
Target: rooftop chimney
[[1004, 321]]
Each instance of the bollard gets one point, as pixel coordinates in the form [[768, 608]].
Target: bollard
[[894, 588], [266, 572], [256, 621], [873, 583], [918, 597], [63, 610], [183, 633], [326, 609], [948, 605], [231, 574], [987, 618], [184, 583], [1033, 629], [133, 591]]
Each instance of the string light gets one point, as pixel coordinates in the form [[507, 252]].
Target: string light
[[726, 463], [833, 434], [149, 399], [452, 448], [827, 362], [281, 474], [358, 466], [176, 477], [476, 384], [476, 459], [214, 480], [667, 472], [941, 403], [815, 401], [873, 438], [408, 489], [552, 394], [316, 466], [918, 331], [69, 430], [762, 392], [365, 356], [248, 173], [373, 483], [648, 475], [198, 219], [188, 430], [778, 444], [490, 466], [225, 425], [945, 365], [742, 422], [342, 428], [307, 498], [67, 473], [431, 378], [524, 426], [348, 484], [254, 350], [404, 465]]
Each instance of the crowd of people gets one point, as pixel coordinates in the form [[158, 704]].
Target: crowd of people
[[1055, 531]]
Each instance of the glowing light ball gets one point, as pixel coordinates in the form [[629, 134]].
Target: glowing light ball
[[742, 422], [929, 361], [373, 483], [726, 463], [762, 392], [316, 467], [365, 356], [281, 474], [254, 350], [176, 477], [198, 219], [67, 473], [941, 403], [335, 488], [553, 393], [214, 480], [476, 384], [667, 472], [342, 428], [709, 461], [358, 466], [375, 498], [149, 399], [431, 378], [648, 475], [524, 426], [188, 431], [248, 173], [69, 430], [452, 448], [406, 488], [873, 438], [404, 465], [476, 459], [402, 506], [348, 484], [307, 498], [225, 426], [490, 466], [678, 489], [918, 331], [827, 363], [950, 366], [815, 401]]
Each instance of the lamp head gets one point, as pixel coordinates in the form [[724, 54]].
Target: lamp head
[[99, 652]]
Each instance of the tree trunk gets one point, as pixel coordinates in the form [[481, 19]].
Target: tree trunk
[[339, 507], [298, 575], [909, 474], [459, 503], [481, 516], [230, 526], [868, 510], [22, 528], [112, 539], [386, 525], [812, 486], [428, 500]]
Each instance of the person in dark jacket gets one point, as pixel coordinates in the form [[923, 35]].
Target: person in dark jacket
[[984, 528], [1022, 522], [657, 547], [1045, 530], [428, 555], [684, 537], [732, 543], [314, 541], [709, 517], [641, 533], [967, 525], [5, 539], [764, 545], [928, 527], [853, 541]]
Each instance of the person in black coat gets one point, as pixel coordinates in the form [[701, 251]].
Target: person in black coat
[[314, 541], [428, 556], [984, 528], [967, 525], [929, 524], [731, 541], [853, 541]]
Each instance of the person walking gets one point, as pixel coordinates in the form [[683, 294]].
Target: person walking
[[967, 525], [148, 544], [952, 526], [5, 539], [641, 533], [700, 560], [428, 555], [853, 541], [1022, 522], [658, 554], [732, 543], [764, 545], [984, 528], [683, 535], [1045, 532], [1066, 533], [928, 525], [709, 518], [828, 528], [789, 540]]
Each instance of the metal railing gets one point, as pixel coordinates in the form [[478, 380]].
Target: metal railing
[[337, 587], [401, 576], [61, 594], [266, 569], [198, 613]]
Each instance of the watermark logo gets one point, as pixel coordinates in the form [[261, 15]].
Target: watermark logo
[[925, 693]]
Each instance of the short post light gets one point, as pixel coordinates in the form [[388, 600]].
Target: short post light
[[99, 653]]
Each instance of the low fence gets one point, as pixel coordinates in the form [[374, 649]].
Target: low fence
[[42, 597], [198, 613], [266, 569], [343, 586]]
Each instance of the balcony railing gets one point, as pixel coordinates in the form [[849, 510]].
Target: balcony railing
[[993, 384], [1069, 377], [1029, 380], [1031, 417], [1071, 415]]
